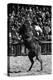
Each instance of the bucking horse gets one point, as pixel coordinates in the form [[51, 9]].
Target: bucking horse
[[32, 44]]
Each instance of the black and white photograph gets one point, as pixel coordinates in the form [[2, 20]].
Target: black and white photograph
[[29, 35]]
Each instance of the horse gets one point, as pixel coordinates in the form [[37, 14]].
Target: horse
[[32, 44]]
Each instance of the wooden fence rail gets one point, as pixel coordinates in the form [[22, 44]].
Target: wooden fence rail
[[20, 49]]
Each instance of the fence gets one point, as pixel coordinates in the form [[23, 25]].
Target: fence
[[46, 47], [20, 49]]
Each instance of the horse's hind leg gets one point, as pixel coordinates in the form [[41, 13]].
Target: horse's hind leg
[[32, 62], [40, 60], [31, 66]]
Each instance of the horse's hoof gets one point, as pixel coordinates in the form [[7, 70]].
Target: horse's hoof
[[41, 69], [28, 70], [18, 71], [38, 70]]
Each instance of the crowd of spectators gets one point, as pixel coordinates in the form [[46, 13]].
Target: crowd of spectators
[[40, 15]]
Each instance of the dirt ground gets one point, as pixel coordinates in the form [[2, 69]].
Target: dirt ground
[[20, 64]]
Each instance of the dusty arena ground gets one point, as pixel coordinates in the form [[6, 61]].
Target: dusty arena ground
[[20, 64]]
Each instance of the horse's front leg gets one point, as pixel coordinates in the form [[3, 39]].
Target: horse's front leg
[[32, 62]]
